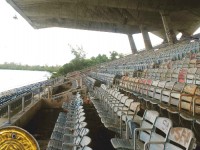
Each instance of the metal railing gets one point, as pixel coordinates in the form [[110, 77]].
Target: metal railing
[[19, 103]]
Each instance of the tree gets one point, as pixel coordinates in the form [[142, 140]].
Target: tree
[[80, 61], [115, 55], [79, 53]]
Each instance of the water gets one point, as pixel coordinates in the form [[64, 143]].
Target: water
[[10, 79]]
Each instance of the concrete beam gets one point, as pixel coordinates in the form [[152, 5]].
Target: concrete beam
[[85, 25], [183, 13], [146, 5], [147, 41], [132, 44], [90, 13], [171, 36]]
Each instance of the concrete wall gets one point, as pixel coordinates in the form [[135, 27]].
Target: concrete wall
[[22, 118]]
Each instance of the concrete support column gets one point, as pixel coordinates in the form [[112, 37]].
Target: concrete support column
[[147, 41], [32, 99], [23, 104], [171, 37], [9, 115], [132, 44]]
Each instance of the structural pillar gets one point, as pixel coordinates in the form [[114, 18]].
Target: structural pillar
[[147, 41], [23, 104], [132, 44], [171, 37], [9, 115]]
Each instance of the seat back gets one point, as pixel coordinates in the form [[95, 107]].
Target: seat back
[[158, 91], [135, 84], [190, 89], [82, 125], [175, 95], [81, 114], [182, 75], [134, 107], [197, 77], [186, 102], [180, 138], [191, 75], [163, 74], [80, 110], [174, 76], [115, 94], [83, 132], [152, 88], [81, 119], [160, 132], [148, 120], [168, 75], [146, 87], [196, 104], [140, 83], [123, 99], [85, 141], [120, 96], [166, 91]]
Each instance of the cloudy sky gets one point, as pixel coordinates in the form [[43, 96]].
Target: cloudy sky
[[20, 43]]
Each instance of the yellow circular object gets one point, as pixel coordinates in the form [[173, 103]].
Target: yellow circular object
[[15, 138]]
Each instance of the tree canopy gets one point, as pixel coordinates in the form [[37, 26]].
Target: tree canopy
[[80, 61]]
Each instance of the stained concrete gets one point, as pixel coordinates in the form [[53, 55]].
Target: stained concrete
[[119, 16]]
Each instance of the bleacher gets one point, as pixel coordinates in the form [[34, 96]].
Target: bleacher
[[8, 96], [70, 130], [151, 100]]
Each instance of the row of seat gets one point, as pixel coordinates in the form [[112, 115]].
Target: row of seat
[[178, 101], [156, 133], [103, 77], [187, 75], [147, 58], [170, 70], [148, 131], [11, 95], [114, 108], [69, 132]]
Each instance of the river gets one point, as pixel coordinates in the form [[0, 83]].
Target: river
[[10, 79]]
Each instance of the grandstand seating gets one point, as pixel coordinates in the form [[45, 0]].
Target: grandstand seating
[[69, 131], [10, 95], [166, 81]]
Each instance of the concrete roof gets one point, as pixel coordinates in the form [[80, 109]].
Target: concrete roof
[[120, 16]]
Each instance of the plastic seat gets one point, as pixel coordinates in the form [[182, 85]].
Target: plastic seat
[[177, 139], [78, 142], [70, 137], [147, 123]]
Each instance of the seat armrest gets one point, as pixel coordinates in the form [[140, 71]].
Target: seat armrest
[[135, 132]]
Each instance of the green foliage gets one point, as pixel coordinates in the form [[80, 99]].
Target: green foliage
[[14, 66], [80, 61], [114, 55]]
